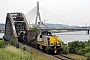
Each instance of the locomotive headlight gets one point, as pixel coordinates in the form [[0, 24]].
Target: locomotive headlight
[[54, 39], [58, 42], [51, 43], [58, 45]]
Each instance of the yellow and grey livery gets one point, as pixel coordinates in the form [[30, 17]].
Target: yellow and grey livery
[[48, 42]]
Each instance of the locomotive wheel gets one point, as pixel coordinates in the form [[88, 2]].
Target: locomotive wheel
[[38, 46], [43, 48]]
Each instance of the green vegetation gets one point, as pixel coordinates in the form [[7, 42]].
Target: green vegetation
[[40, 56], [88, 57], [12, 42], [34, 28], [65, 49], [1, 38], [9, 52], [12, 53], [23, 48], [2, 44], [78, 57], [80, 48]]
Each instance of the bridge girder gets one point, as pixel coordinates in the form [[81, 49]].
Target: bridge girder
[[15, 24]]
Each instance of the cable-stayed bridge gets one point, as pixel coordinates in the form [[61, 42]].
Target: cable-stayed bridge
[[35, 15]]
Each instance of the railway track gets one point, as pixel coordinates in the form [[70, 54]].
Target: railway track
[[56, 56], [64, 57]]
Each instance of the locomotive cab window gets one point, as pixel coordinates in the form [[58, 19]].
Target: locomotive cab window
[[40, 36], [49, 33], [48, 38]]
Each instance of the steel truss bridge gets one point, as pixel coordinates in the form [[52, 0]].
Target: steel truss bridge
[[17, 28]]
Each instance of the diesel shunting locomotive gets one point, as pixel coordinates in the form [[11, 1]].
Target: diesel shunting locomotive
[[48, 42]]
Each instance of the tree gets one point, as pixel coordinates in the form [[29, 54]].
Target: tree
[[34, 28], [65, 49], [88, 56], [75, 46]]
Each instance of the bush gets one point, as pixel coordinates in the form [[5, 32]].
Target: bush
[[2, 44], [75, 46], [65, 49], [12, 53], [23, 48], [34, 28], [1, 38], [88, 56], [12, 42]]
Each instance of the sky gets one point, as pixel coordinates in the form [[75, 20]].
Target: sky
[[70, 12]]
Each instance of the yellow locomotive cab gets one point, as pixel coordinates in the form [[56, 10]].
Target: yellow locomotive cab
[[48, 42], [56, 42]]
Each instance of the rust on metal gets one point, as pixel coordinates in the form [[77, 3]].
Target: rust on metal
[[17, 27]]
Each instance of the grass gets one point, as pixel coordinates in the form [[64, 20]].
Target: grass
[[78, 57], [2, 44], [41, 56], [12, 53], [8, 52]]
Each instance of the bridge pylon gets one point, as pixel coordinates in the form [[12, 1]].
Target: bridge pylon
[[38, 15]]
